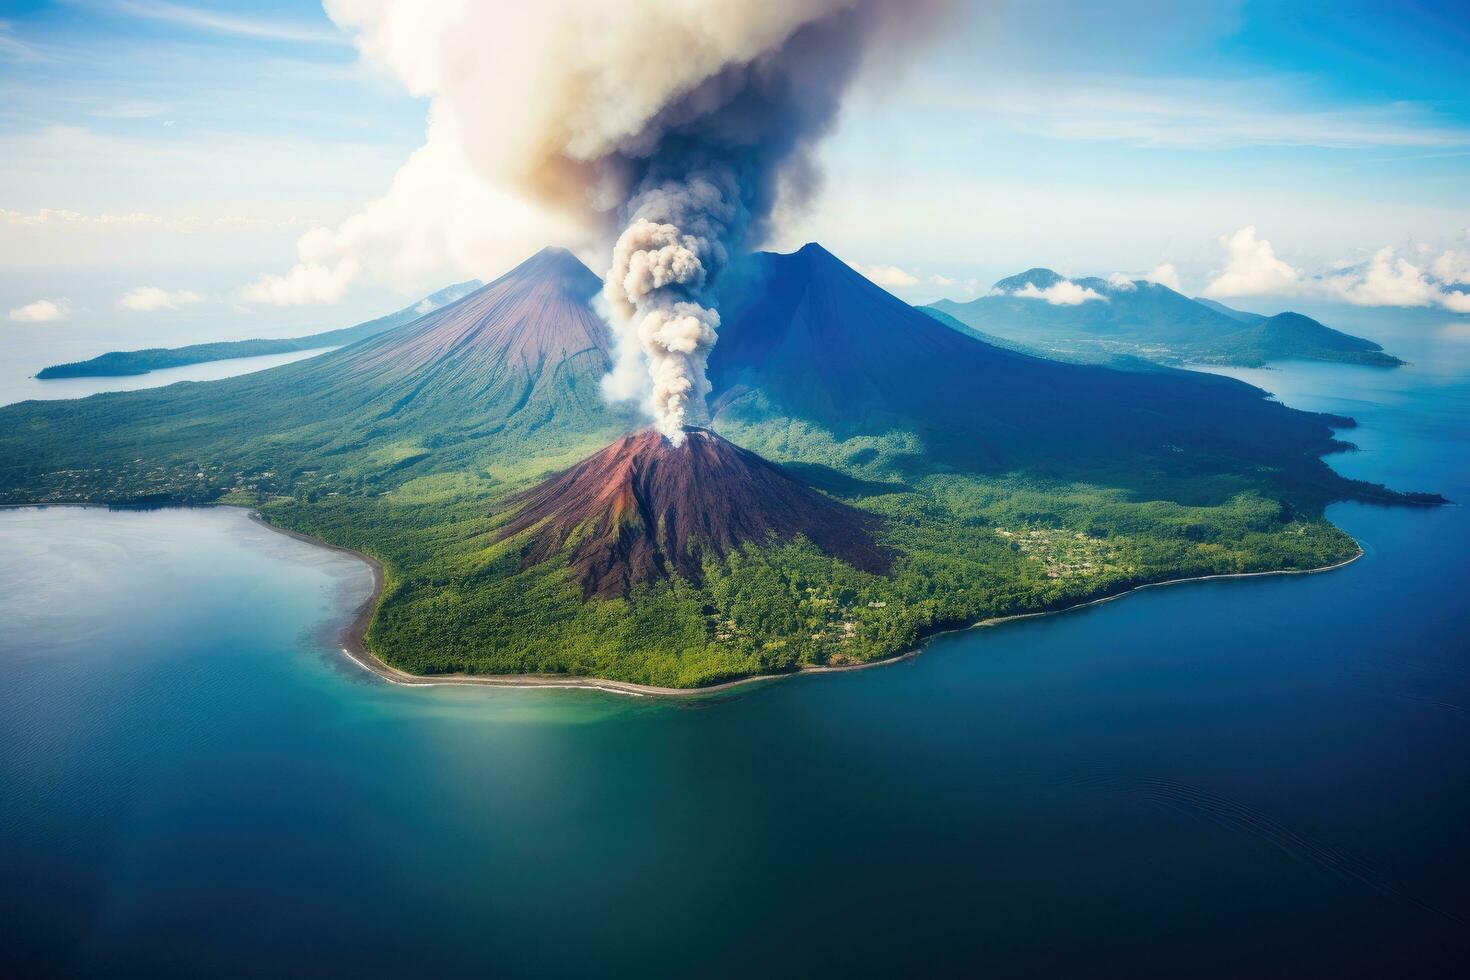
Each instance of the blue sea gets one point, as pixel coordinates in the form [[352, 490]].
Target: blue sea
[[1256, 777]]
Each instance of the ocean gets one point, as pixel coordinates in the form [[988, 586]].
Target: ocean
[[1265, 776]]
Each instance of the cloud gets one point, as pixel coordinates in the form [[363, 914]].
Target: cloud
[[41, 311], [438, 217], [67, 218], [1252, 268], [1062, 293], [938, 280], [1387, 279], [147, 299], [208, 20], [1194, 114], [1163, 275], [14, 49], [308, 283], [890, 276], [1166, 275], [1453, 267]]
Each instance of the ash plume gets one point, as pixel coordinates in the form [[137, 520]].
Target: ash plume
[[672, 128]]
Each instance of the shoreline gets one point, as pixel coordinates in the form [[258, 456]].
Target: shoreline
[[352, 636], [354, 646]]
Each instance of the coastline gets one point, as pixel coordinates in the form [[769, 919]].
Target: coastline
[[352, 637], [354, 646]]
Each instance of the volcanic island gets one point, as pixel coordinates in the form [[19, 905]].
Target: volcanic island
[[867, 475]]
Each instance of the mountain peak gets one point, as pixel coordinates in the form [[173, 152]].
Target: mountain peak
[[557, 266], [643, 509], [1039, 277], [536, 315]]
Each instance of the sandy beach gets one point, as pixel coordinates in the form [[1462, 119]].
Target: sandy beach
[[354, 645]]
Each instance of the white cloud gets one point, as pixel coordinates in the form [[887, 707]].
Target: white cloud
[[67, 218], [308, 283], [1166, 275], [889, 275], [147, 299], [439, 217], [1163, 275], [41, 311], [1195, 114], [938, 280], [1062, 293], [207, 20], [1252, 268], [14, 49], [1388, 279], [1453, 266]]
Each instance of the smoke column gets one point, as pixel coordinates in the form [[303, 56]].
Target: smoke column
[[671, 127]]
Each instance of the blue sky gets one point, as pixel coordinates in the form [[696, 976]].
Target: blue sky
[[186, 148]]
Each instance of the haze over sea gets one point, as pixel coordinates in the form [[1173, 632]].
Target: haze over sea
[[1263, 775]]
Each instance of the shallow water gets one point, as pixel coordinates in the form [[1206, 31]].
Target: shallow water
[[1252, 776], [16, 385]]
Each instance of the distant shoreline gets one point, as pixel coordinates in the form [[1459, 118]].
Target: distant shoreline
[[354, 645], [352, 637]]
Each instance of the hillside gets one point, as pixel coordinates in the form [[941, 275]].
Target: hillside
[[872, 475], [1153, 321], [479, 379], [643, 509], [807, 337], [123, 363]]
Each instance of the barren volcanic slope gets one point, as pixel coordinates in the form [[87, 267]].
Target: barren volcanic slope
[[643, 509]]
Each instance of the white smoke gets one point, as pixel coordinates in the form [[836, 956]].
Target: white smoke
[[673, 127], [671, 251]]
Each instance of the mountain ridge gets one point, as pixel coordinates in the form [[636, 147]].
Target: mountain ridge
[[115, 364], [1151, 320]]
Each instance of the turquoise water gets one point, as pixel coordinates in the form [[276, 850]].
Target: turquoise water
[[1216, 779]]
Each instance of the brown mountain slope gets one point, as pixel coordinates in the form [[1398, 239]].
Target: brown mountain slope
[[643, 509]]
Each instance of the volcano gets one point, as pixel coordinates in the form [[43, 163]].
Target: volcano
[[507, 373], [644, 509], [804, 336]]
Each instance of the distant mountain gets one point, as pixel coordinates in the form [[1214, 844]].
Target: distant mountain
[[1043, 309], [643, 509], [133, 362]]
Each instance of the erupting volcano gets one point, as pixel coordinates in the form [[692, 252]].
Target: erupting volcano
[[645, 508]]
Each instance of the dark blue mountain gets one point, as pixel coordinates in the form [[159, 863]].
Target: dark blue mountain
[[1150, 320]]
